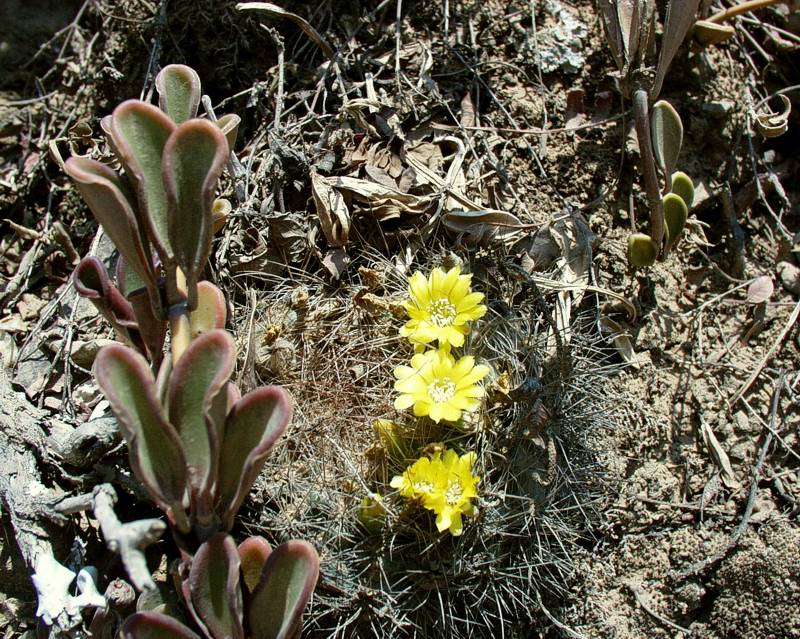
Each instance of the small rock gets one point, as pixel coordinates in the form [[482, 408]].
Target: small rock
[[718, 108], [789, 276], [83, 353]]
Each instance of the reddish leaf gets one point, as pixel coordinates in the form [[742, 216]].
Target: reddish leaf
[[214, 587], [256, 422], [154, 625], [290, 575]]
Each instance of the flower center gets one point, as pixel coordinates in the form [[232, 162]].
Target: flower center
[[423, 486], [453, 494], [442, 390], [442, 312]]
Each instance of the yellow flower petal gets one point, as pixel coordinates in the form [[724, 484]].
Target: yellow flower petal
[[472, 377], [421, 409], [404, 401]]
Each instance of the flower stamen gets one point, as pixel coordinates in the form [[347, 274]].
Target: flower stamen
[[442, 312], [453, 493], [441, 390]]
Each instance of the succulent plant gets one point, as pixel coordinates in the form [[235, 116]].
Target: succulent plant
[[159, 213], [195, 443], [629, 27], [250, 592]]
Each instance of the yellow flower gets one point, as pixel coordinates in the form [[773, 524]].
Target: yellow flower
[[444, 485], [438, 386], [441, 307], [418, 480], [455, 490]]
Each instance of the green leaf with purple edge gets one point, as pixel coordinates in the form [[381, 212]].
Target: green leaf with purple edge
[[253, 554], [281, 595], [254, 425], [178, 89], [104, 192], [197, 377], [214, 587], [152, 329], [194, 157], [156, 454], [154, 625], [140, 132], [221, 405], [91, 280]]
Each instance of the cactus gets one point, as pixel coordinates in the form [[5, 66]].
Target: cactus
[[251, 591]]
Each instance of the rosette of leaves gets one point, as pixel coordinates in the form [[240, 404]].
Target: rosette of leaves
[[158, 212], [250, 592], [195, 443]]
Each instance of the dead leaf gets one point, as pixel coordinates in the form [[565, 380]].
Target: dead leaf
[[379, 176], [8, 350], [29, 306], [719, 456], [334, 216], [13, 324], [622, 341], [275, 10], [481, 228], [772, 124], [760, 290], [336, 262]]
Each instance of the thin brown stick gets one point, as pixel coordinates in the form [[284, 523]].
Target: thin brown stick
[[744, 7], [773, 349], [642, 121]]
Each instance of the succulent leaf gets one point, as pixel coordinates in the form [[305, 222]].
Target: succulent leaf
[[642, 250], [711, 33], [214, 587], [194, 157], [154, 625], [667, 131], [287, 583], [140, 132], [153, 330], [229, 125], [211, 311], [197, 377], [682, 186], [156, 454], [92, 282], [253, 555], [178, 89], [254, 425], [128, 278], [104, 192], [675, 214], [220, 211]]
